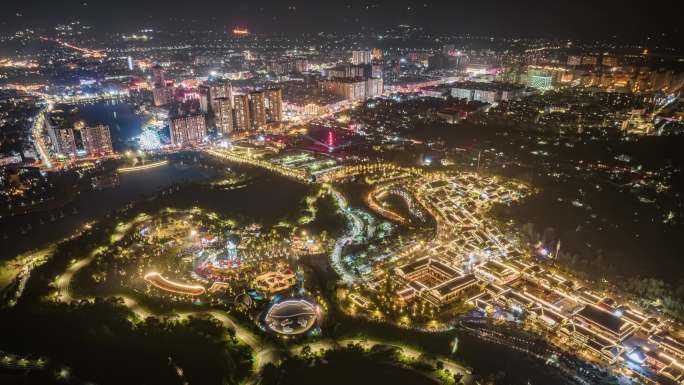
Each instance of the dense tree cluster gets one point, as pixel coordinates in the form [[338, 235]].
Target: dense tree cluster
[[99, 343], [348, 365]]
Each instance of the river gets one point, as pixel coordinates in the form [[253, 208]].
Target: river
[[51, 225], [124, 124]]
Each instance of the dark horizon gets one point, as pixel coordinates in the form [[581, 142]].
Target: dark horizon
[[605, 20]]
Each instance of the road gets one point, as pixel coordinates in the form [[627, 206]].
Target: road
[[64, 280], [265, 352], [22, 264]]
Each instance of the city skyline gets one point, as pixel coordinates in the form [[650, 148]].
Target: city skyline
[[621, 21], [356, 192]]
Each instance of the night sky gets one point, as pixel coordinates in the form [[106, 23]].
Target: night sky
[[514, 18]]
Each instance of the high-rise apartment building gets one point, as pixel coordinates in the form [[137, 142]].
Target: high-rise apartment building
[[97, 140], [574, 60], [64, 141], [589, 60], [158, 76], [349, 89], [374, 87], [487, 92], [609, 61], [241, 107], [376, 70], [257, 109], [301, 65], [162, 95], [273, 103], [188, 130], [223, 116], [204, 98], [219, 89], [361, 57], [354, 89], [355, 71]]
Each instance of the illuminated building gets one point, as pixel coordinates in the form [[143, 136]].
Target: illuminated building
[[476, 69], [361, 57], [589, 60], [301, 65], [257, 109], [204, 98], [374, 87], [242, 118], [129, 61], [661, 80], [275, 281], [601, 346], [273, 103], [493, 271], [432, 280], [338, 72], [282, 67], [349, 89], [567, 77], [97, 140], [219, 89], [420, 58], [355, 71], [292, 316], [279, 68], [609, 61], [158, 76], [574, 60], [376, 70], [162, 96], [188, 130], [669, 343], [354, 89], [539, 79], [487, 92], [223, 116], [249, 55], [638, 121], [484, 96], [376, 54], [162, 93], [64, 141]]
